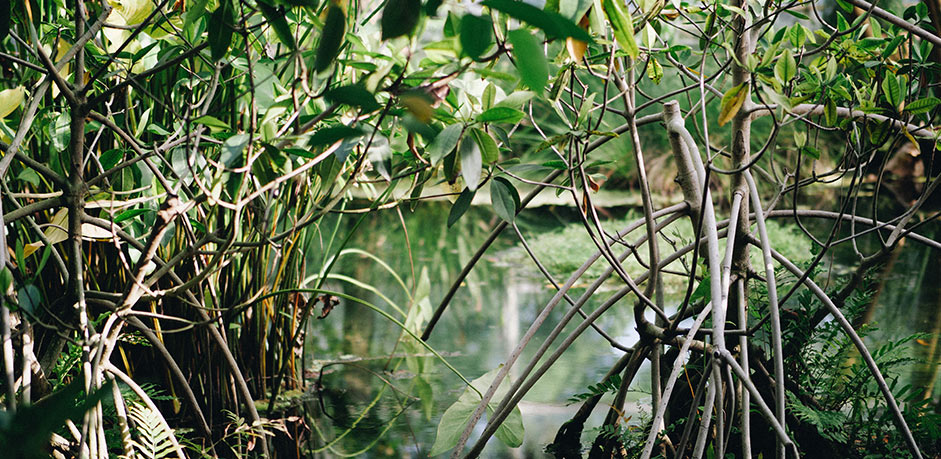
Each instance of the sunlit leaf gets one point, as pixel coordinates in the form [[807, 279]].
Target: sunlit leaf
[[488, 147], [785, 69], [10, 99], [501, 114], [214, 124], [922, 105], [471, 162], [732, 101], [622, 26]]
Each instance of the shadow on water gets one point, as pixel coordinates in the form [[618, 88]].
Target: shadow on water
[[364, 406]]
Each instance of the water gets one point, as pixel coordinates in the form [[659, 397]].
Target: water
[[489, 314]]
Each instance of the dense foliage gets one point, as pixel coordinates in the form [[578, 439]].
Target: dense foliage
[[169, 169]]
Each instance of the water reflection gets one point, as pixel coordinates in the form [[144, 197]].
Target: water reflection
[[484, 322]]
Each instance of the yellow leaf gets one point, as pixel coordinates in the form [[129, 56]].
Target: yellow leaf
[[576, 48], [418, 106], [732, 101], [10, 99]]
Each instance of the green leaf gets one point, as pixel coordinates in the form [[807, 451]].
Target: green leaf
[[194, 11], [501, 115], [891, 90], [553, 24], [129, 214], [457, 416], [6, 280], [623, 27], [232, 150], [111, 158], [331, 38], [460, 206], [29, 298], [399, 17], [811, 151], [29, 176], [445, 142], [488, 147], [785, 69], [505, 199], [332, 134], [922, 105], [221, 26], [655, 71], [278, 22], [471, 163], [354, 95], [516, 99], [214, 124], [530, 59], [476, 34], [732, 102]]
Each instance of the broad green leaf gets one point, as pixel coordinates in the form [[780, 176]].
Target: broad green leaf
[[232, 150], [501, 115], [505, 199], [194, 11], [476, 34], [516, 99], [354, 95], [29, 298], [800, 138], [553, 24], [6, 280], [424, 393], [622, 25], [399, 17], [811, 151], [214, 124], [221, 26], [332, 134], [892, 90], [278, 22], [471, 162], [530, 59], [732, 101], [129, 214], [111, 158], [445, 142], [460, 206], [488, 147], [457, 416], [331, 38], [922, 105], [785, 69], [10, 99]]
